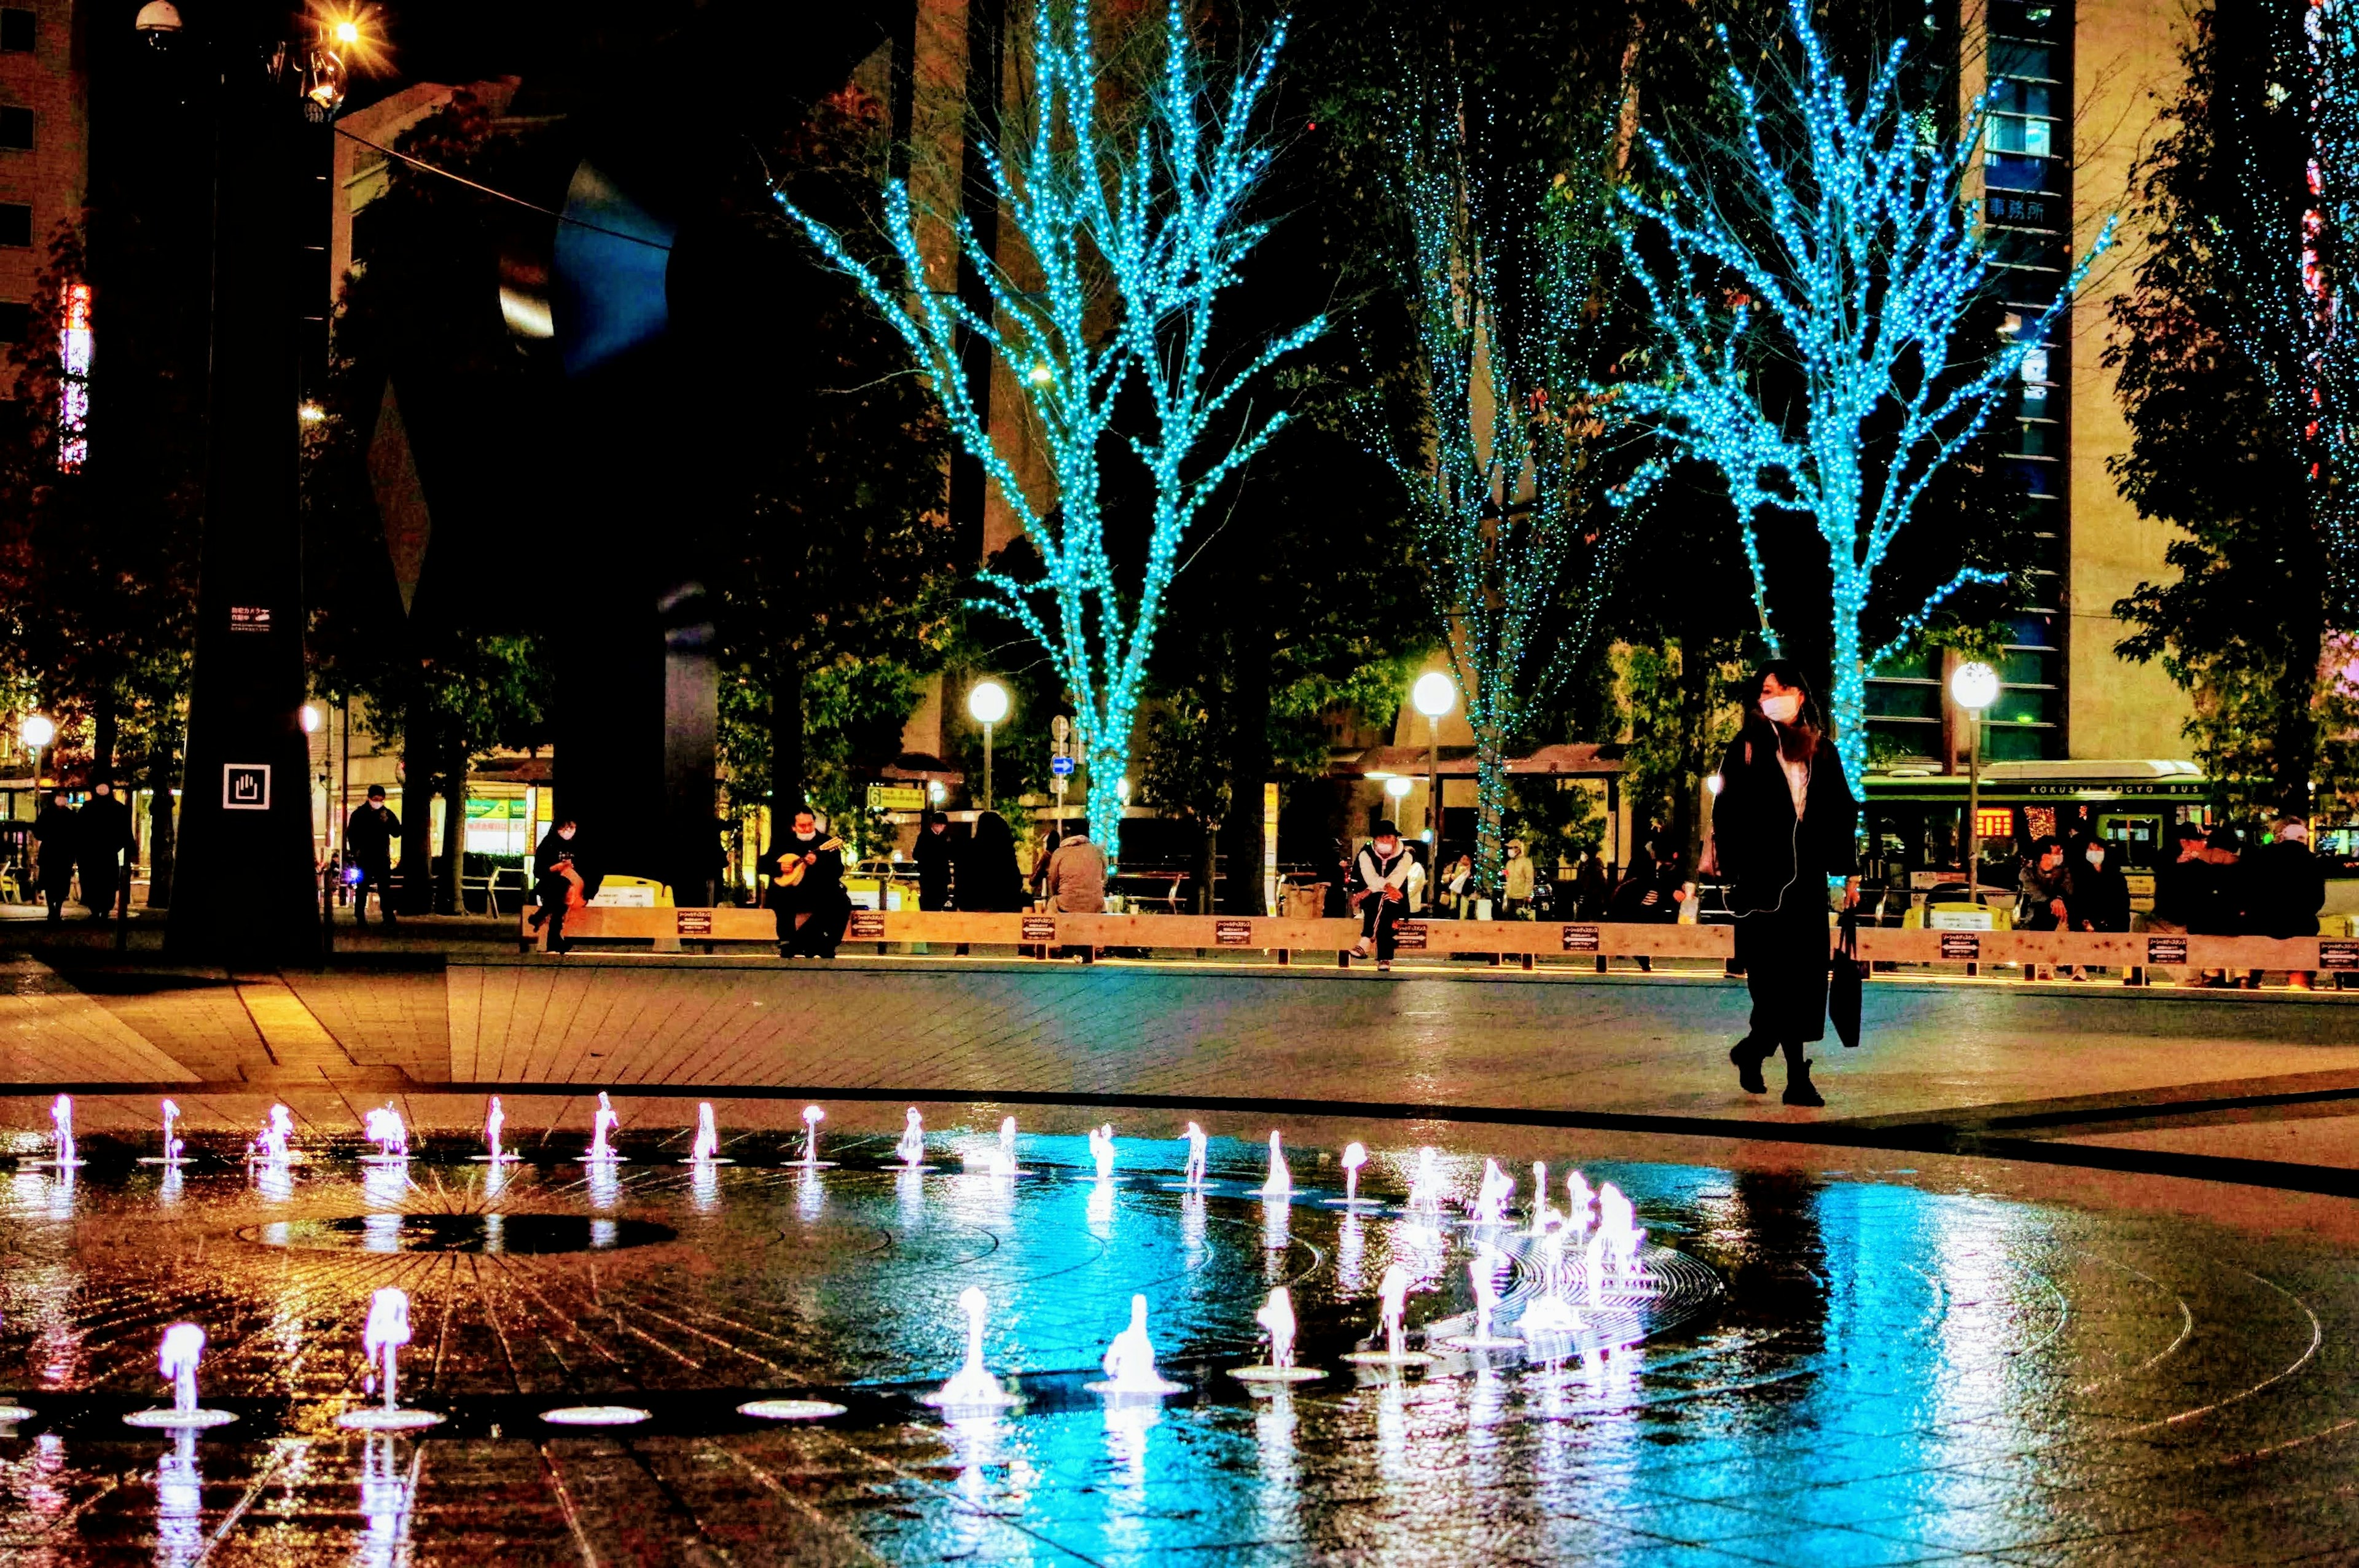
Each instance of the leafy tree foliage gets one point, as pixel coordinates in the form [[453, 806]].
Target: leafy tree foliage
[[2243, 627]]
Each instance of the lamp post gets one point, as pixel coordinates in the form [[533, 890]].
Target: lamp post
[[37, 732], [986, 701], [1433, 695], [1974, 686]]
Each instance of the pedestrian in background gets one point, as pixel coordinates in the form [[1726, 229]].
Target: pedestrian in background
[[2285, 888], [988, 880], [1049, 839], [1458, 887], [1518, 882], [105, 850], [2221, 912], [560, 882], [1077, 873], [1783, 830], [370, 835], [933, 857], [1589, 887], [2182, 882], [2100, 896], [1639, 896], [54, 836]]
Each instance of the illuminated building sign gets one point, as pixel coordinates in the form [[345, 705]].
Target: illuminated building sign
[[73, 381]]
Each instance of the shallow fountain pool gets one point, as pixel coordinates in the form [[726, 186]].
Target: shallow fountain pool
[[1798, 1368]]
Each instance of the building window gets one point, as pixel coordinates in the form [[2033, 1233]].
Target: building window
[[15, 30], [17, 129], [16, 322], [15, 225]]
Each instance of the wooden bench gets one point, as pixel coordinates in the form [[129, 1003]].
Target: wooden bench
[[1525, 941]]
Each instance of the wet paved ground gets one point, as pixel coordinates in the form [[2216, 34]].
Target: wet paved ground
[[1837, 1366]]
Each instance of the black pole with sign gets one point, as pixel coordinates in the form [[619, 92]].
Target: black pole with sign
[[243, 885]]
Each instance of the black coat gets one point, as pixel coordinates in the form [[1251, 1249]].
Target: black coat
[[103, 827], [2098, 898], [987, 877], [821, 886], [369, 837], [1766, 856], [2285, 887], [934, 856], [58, 836]]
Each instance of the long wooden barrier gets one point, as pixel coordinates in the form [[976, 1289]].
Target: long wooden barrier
[[671, 930]]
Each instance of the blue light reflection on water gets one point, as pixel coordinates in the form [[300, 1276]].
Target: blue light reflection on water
[[1877, 1316]]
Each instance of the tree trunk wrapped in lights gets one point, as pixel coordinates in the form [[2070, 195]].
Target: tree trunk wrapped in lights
[[1520, 501], [1131, 240], [1829, 246]]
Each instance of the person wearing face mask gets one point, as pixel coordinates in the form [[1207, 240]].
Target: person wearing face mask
[[107, 850], [1379, 892], [559, 883], [2285, 888], [1785, 827], [1518, 882], [2099, 897]]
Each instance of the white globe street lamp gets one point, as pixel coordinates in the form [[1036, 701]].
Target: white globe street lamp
[[986, 702], [1433, 695], [1974, 687], [37, 732]]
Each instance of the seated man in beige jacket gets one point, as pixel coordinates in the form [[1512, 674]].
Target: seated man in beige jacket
[[1077, 874]]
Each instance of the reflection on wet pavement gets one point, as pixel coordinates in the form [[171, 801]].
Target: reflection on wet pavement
[[1797, 1370]]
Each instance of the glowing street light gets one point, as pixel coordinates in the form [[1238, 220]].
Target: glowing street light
[[37, 732], [1433, 695], [986, 702], [1974, 686], [312, 718], [1399, 786]]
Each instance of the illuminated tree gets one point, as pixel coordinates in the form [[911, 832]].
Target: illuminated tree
[[1817, 296], [1125, 245], [1520, 497]]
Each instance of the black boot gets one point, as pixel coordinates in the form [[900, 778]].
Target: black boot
[[1749, 1059], [1800, 1090]]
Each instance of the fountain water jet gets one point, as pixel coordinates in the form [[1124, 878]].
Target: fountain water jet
[[1425, 1187], [706, 1149], [61, 1121], [1130, 1362], [1544, 1215], [1483, 1271], [1192, 1175], [172, 1145], [1101, 1150], [381, 1125], [269, 1145], [1491, 1199], [1276, 1319], [600, 1152], [1393, 1298], [1355, 1155], [1281, 1181], [812, 1117], [494, 1119], [995, 1160], [912, 1146], [972, 1386], [387, 1330], [176, 1359]]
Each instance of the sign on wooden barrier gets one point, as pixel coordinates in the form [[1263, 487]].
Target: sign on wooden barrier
[[1961, 944], [1040, 928], [1581, 938], [2338, 955], [868, 925], [2165, 950], [1409, 933], [693, 922], [1232, 933]]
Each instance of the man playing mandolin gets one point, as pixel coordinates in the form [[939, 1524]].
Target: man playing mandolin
[[806, 872]]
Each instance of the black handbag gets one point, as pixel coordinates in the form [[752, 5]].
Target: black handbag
[[1846, 979]]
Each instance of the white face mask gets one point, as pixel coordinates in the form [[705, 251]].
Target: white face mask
[[1783, 708], [566, 834], [2096, 857]]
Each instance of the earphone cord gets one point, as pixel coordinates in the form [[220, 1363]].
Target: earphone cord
[[1794, 840]]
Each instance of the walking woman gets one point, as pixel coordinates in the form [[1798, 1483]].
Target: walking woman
[[1783, 828]]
